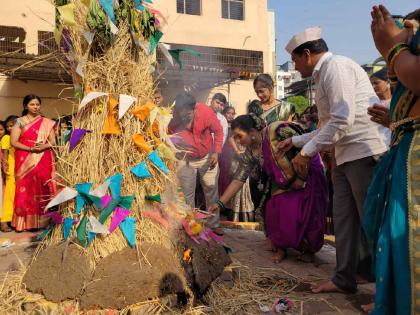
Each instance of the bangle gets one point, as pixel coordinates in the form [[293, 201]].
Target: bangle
[[394, 53], [220, 204]]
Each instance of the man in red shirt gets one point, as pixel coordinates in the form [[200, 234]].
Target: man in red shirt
[[198, 134]]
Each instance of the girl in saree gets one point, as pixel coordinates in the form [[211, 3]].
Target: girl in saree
[[32, 137], [294, 216], [393, 201]]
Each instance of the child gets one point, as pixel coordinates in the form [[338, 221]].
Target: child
[[9, 170]]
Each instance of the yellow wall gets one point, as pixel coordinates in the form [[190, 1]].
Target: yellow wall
[[52, 95], [211, 30]]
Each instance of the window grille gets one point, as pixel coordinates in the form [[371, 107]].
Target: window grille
[[192, 7], [233, 9], [12, 39]]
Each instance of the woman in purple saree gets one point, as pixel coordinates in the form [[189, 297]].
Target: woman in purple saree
[[295, 213]]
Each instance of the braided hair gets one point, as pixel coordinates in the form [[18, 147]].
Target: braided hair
[[248, 122]]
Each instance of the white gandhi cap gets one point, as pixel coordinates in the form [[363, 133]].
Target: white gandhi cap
[[310, 34]]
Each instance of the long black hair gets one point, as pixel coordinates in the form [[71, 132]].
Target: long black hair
[[255, 107], [26, 101], [3, 123], [11, 118], [248, 122], [265, 79]]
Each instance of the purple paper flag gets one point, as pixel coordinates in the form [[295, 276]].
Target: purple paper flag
[[77, 136], [55, 216], [105, 200], [119, 215]]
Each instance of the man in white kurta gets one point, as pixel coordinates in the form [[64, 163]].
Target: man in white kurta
[[343, 95]]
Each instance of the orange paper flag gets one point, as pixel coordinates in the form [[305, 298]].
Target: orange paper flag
[[111, 126], [143, 111], [141, 143]]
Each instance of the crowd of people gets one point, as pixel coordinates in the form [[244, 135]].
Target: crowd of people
[[356, 153]]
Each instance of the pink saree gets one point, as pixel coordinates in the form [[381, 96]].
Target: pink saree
[[34, 173]]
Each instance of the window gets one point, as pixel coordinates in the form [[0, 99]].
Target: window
[[215, 58], [12, 39], [46, 43], [233, 9], [192, 7]]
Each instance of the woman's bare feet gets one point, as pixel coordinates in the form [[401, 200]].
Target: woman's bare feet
[[4, 227], [269, 245], [368, 307], [326, 287], [279, 255]]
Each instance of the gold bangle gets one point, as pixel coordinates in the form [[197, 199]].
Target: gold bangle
[[394, 53]]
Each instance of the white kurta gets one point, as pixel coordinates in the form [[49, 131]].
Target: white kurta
[[343, 95]]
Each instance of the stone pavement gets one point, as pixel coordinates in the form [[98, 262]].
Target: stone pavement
[[248, 250]]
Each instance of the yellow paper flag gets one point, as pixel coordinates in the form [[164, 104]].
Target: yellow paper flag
[[166, 152], [141, 143], [67, 14], [143, 111], [111, 126]]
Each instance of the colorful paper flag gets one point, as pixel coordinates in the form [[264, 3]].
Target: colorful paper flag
[[128, 228], [67, 14], [126, 202], [55, 217], [119, 215], [76, 137], [90, 97], [124, 104], [105, 200], [67, 225], [102, 189], [139, 141], [157, 161], [176, 54], [141, 170], [115, 185], [154, 40], [89, 36], [111, 126], [164, 48], [96, 226], [108, 7], [81, 231], [81, 188], [105, 213], [155, 198], [142, 112], [166, 152], [44, 233], [64, 195]]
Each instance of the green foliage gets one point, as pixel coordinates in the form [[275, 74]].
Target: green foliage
[[301, 103]]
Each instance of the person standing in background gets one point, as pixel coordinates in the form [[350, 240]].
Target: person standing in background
[[380, 112], [32, 137], [9, 171]]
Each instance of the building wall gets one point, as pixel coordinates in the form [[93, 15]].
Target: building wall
[[211, 30], [53, 97]]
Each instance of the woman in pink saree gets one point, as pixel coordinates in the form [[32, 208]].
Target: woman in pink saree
[[32, 137]]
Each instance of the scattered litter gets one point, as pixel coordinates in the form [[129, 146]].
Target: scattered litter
[[282, 305], [265, 309], [7, 244]]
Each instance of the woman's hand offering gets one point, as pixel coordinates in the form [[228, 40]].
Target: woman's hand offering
[[284, 146], [379, 114], [213, 208]]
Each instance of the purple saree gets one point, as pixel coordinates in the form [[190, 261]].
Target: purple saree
[[293, 217]]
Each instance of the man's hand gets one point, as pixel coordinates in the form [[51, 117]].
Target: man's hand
[[214, 158], [379, 114], [284, 146], [301, 165]]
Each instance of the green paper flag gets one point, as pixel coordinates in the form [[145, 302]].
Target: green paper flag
[[105, 213], [126, 202], [81, 231], [176, 54], [154, 40], [155, 198]]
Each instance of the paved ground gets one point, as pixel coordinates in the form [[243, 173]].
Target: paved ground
[[248, 250]]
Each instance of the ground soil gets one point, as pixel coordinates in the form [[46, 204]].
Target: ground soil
[[59, 272], [123, 278]]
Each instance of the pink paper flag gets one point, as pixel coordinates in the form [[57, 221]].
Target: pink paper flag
[[119, 215], [105, 200], [214, 236], [55, 216]]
